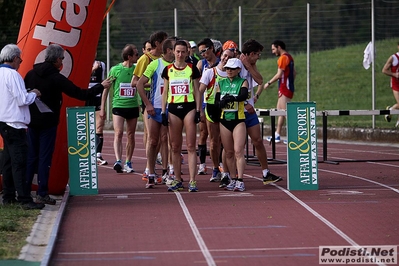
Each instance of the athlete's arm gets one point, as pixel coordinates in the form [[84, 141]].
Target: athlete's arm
[[276, 77], [165, 94], [103, 100], [387, 68], [197, 94], [140, 88], [252, 69]]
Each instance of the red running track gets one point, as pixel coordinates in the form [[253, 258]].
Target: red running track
[[126, 224]]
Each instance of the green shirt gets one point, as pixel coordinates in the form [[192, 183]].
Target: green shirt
[[233, 110], [124, 96]]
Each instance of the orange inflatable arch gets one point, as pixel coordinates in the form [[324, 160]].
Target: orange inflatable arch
[[76, 26]]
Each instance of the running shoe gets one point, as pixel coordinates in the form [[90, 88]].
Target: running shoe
[[277, 140], [145, 176], [150, 182], [192, 186], [159, 159], [285, 142], [176, 186], [118, 166], [216, 175], [128, 167], [239, 186], [221, 167], [172, 173], [202, 169], [169, 180], [158, 179], [397, 124], [388, 117], [225, 180], [182, 158], [100, 160], [271, 178], [231, 185], [164, 178]]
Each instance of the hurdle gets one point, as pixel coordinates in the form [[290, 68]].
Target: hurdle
[[252, 159], [327, 113], [324, 114]]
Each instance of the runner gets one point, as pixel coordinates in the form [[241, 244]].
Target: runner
[[251, 52], [181, 82], [207, 51], [156, 131], [208, 87], [156, 40], [233, 95], [125, 106]]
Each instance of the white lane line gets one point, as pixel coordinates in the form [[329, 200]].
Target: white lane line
[[364, 160], [187, 251], [362, 178], [321, 218], [384, 164], [197, 235]]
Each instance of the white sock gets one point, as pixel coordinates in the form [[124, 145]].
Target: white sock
[[265, 171]]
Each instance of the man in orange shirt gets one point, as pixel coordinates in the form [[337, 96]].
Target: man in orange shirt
[[285, 76]]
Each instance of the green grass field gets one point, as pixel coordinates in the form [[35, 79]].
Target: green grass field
[[338, 81], [15, 226]]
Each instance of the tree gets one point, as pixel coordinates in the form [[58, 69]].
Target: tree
[[11, 14]]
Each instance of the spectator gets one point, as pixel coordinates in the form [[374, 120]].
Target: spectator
[[14, 120], [42, 131]]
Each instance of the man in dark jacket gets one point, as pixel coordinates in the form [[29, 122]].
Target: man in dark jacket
[[42, 131]]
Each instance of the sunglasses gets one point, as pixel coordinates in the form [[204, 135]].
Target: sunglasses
[[229, 68], [203, 51]]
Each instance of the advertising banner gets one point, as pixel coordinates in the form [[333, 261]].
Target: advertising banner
[[302, 146], [82, 158], [76, 26]]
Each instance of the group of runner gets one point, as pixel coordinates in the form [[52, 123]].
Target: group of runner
[[178, 91]]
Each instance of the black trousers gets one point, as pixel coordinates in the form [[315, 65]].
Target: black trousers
[[14, 164]]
